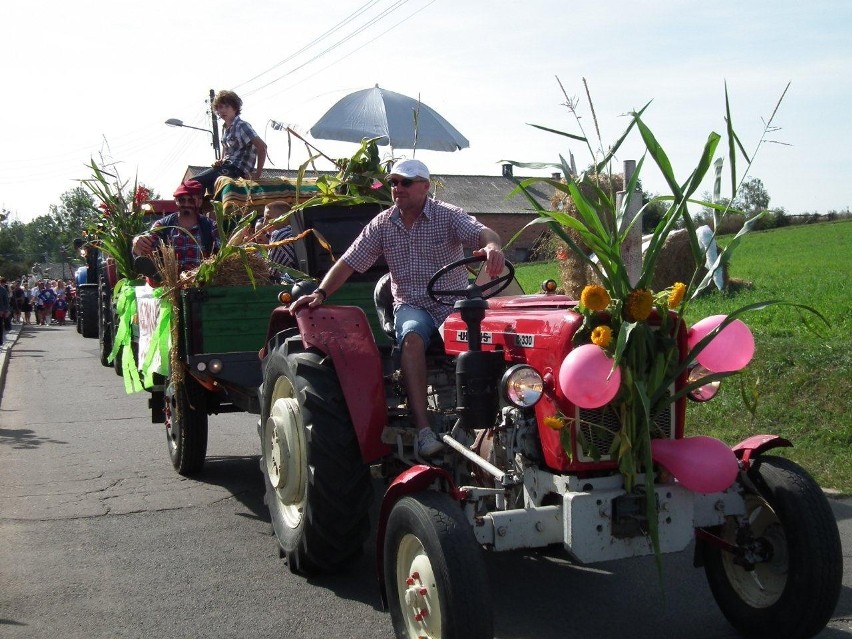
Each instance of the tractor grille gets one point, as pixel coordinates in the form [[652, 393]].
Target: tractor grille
[[596, 428]]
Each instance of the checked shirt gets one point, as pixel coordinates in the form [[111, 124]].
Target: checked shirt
[[438, 237], [187, 248], [239, 151]]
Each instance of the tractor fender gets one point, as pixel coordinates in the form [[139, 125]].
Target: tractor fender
[[753, 446], [413, 480], [344, 334]]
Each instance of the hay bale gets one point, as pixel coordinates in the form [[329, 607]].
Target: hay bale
[[674, 261]]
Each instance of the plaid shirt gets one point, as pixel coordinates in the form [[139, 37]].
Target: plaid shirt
[[187, 249], [239, 151], [438, 237]]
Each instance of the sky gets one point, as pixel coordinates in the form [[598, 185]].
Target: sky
[[96, 79]]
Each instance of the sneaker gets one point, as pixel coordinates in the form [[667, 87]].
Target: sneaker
[[428, 443]]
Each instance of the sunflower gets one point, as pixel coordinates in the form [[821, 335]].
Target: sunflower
[[639, 304], [554, 422], [595, 297], [676, 296], [602, 336]]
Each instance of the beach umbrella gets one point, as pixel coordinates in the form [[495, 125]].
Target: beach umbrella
[[377, 112]]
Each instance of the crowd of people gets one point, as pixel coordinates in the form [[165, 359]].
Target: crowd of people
[[40, 302]]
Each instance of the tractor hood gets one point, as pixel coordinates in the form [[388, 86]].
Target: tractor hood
[[532, 329]]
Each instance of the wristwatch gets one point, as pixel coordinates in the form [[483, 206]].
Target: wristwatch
[[321, 291]]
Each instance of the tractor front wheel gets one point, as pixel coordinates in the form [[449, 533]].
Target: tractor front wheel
[[434, 571], [781, 576]]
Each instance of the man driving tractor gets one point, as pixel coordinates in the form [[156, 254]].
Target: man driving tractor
[[416, 236]]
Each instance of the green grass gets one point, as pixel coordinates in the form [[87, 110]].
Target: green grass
[[801, 374]]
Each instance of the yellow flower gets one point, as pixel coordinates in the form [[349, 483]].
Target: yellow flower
[[639, 304], [602, 336], [554, 422], [594, 297], [676, 296]]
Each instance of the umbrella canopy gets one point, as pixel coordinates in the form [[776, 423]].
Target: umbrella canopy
[[377, 112]]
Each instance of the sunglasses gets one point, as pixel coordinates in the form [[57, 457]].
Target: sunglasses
[[404, 182], [185, 198]]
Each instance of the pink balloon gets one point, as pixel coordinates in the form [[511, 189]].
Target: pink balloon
[[702, 464], [729, 351], [583, 377]]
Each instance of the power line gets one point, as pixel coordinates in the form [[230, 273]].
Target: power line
[[340, 59], [316, 40], [398, 4]]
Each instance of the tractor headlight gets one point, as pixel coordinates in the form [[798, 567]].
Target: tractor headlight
[[522, 386]]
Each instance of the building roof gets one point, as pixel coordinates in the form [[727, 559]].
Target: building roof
[[476, 194]]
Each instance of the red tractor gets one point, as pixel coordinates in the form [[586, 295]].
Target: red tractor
[[333, 416]]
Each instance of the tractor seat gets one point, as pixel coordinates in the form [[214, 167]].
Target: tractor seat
[[384, 308]]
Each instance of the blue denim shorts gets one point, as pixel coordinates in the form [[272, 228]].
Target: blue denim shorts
[[409, 319]]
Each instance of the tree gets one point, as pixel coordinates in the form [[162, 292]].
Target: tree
[[75, 213], [13, 262], [752, 197], [652, 213]]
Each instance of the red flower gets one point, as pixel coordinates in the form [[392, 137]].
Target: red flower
[[141, 195]]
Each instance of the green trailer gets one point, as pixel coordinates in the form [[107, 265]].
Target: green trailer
[[222, 331]]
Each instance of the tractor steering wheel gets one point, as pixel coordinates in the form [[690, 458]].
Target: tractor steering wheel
[[473, 290]]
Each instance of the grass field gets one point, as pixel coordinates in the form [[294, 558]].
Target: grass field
[[801, 377]]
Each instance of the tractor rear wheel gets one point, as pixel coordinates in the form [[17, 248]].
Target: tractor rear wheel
[[786, 579], [318, 488], [434, 571]]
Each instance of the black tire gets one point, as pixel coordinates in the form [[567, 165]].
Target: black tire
[[318, 502], [88, 309], [117, 362], [433, 563], [186, 425], [793, 594], [105, 330]]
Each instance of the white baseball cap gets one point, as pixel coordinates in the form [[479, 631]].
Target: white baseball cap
[[410, 169]]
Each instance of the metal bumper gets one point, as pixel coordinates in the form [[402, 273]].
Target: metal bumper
[[599, 522]]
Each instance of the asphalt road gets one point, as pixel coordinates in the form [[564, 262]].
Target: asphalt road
[[99, 537]]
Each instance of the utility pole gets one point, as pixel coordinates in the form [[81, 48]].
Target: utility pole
[[631, 248], [215, 126]]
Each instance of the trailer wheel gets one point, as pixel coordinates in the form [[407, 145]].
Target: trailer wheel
[[318, 489], [788, 582], [105, 331], [88, 309], [117, 362], [434, 571], [186, 425]]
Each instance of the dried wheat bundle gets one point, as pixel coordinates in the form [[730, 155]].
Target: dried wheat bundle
[[236, 269]]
